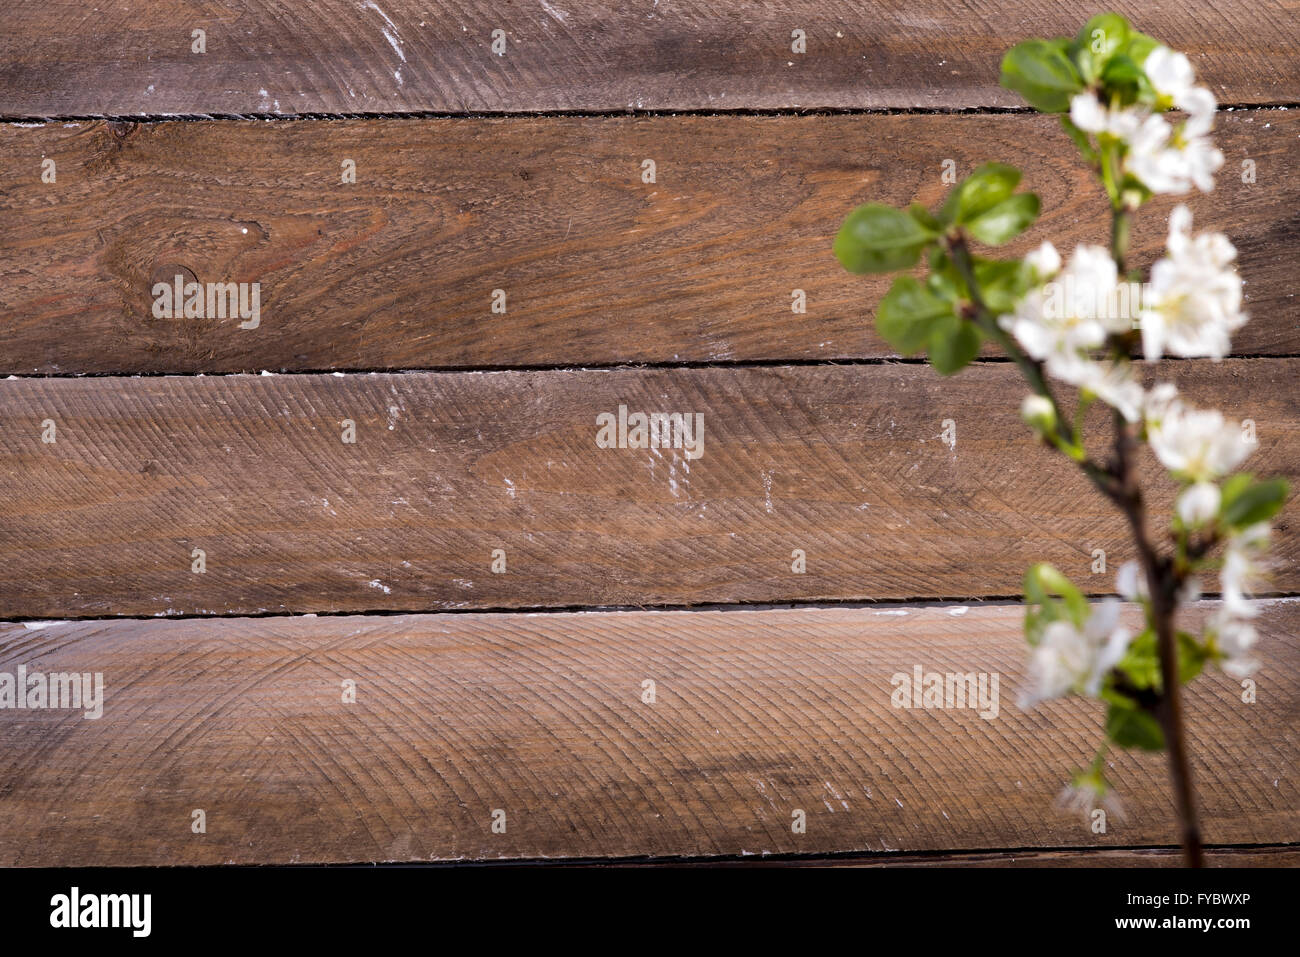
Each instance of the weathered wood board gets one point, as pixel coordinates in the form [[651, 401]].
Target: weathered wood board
[[343, 56], [595, 267], [757, 714], [847, 464]]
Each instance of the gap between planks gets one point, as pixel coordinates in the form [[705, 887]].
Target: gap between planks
[[153, 118], [589, 367]]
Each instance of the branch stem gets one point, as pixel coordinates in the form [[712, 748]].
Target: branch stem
[[1119, 484], [1163, 584], [1164, 581], [1121, 224]]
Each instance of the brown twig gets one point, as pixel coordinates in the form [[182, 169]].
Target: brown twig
[[1164, 581], [1163, 584]]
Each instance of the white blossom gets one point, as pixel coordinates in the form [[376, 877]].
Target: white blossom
[[1196, 445], [1159, 401], [1169, 159], [1130, 582], [1170, 73], [1243, 569], [1173, 161], [1089, 115], [1235, 637], [1045, 261], [1064, 320], [1173, 78], [1071, 659], [1230, 626], [1165, 157], [1193, 302], [1085, 794], [1055, 321], [1199, 105], [1115, 383]]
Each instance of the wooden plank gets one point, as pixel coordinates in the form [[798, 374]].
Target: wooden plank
[[756, 714], [343, 56], [398, 270], [844, 463]]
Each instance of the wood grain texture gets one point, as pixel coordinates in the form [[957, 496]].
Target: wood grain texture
[[756, 714], [342, 56], [845, 463], [398, 270]]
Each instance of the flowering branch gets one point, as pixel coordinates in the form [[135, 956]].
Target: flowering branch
[[1112, 87]]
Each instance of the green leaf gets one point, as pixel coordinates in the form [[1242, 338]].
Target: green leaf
[[1040, 71], [1124, 77], [1098, 40], [1131, 727], [1234, 485], [1139, 47], [1122, 70], [952, 347], [1043, 580], [1006, 220], [979, 192], [877, 238], [1104, 35], [925, 219], [1141, 662], [1002, 283], [1246, 502], [944, 285], [908, 315], [949, 278]]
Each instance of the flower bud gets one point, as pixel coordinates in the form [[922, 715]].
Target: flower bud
[[1045, 261], [1130, 582], [1038, 413], [1198, 503]]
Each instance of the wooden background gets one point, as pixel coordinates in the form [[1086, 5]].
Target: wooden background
[[370, 562]]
